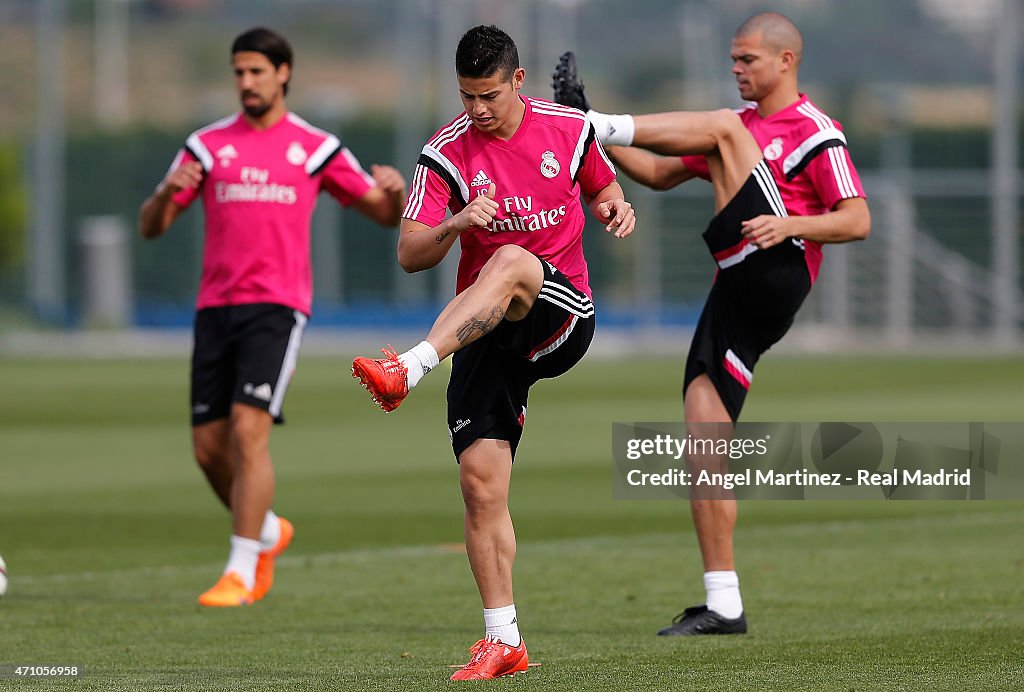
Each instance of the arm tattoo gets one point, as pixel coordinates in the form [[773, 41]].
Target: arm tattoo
[[441, 236], [476, 327]]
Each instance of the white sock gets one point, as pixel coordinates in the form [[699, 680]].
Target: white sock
[[501, 623], [242, 560], [270, 534], [419, 360], [723, 590], [613, 129]]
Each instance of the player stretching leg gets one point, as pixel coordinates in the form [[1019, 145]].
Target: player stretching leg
[[512, 170], [768, 256]]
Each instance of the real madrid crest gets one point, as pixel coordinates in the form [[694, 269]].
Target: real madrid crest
[[774, 149], [296, 155], [549, 166]]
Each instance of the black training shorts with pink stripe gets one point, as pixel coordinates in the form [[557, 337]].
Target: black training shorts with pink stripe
[[755, 296]]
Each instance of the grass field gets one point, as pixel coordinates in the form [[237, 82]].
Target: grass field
[[109, 533]]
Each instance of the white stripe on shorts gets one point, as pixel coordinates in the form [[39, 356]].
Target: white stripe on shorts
[[291, 357], [567, 299], [580, 309]]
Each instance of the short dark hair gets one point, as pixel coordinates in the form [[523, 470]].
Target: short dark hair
[[484, 51], [270, 43]]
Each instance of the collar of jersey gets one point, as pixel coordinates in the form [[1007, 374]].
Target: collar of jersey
[[249, 126], [519, 133]]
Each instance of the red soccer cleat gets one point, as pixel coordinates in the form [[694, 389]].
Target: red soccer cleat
[[386, 379], [491, 658]]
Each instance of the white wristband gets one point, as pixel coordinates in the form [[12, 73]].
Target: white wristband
[[613, 129]]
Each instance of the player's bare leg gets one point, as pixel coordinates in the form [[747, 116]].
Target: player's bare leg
[[505, 289], [714, 518], [212, 449], [485, 471], [252, 492], [720, 135]]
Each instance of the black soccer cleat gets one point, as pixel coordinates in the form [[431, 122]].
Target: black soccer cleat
[[700, 620], [567, 85]]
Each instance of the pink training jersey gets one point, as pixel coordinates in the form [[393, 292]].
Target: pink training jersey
[[807, 155], [259, 189], [538, 175]]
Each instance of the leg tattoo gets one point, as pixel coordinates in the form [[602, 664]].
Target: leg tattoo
[[477, 327]]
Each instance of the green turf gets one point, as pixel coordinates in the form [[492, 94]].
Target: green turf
[[109, 533]]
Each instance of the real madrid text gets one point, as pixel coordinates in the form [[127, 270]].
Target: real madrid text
[[801, 477]]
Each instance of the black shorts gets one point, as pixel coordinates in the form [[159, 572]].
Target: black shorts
[[754, 299], [246, 354], [492, 376]]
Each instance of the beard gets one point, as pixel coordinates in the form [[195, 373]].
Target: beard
[[256, 110]]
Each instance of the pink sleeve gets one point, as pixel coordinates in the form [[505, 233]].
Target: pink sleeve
[[345, 179], [183, 198], [698, 165], [597, 171], [429, 198], [834, 176]]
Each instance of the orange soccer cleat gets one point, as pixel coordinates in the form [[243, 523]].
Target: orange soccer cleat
[[386, 379], [265, 565], [491, 658], [229, 591]]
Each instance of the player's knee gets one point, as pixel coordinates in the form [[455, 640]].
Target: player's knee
[[248, 445], [482, 504], [208, 454], [728, 124], [481, 496], [508, 257], [508, 264], [249, 421]]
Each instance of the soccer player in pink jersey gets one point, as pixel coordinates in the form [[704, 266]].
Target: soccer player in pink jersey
[[511, 170], [258, 173], [780, 253]]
